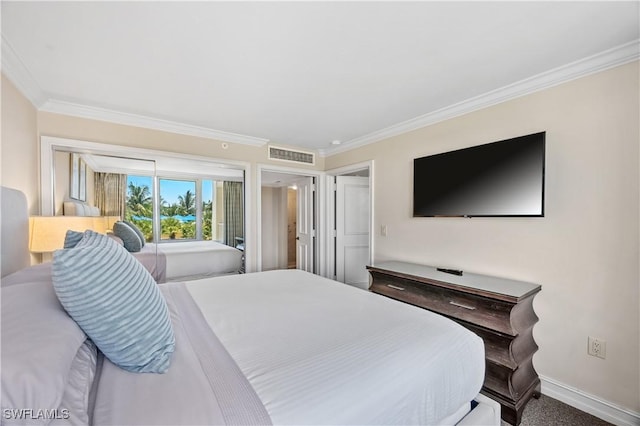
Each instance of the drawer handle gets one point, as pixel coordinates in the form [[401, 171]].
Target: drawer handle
[[395, 287], [460, 305]]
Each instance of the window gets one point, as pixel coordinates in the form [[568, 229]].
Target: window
[[208, 214], [190, 209], [177, 209], [139, 204]]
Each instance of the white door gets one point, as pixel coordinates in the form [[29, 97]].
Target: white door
[[305, 224], [352, 230]]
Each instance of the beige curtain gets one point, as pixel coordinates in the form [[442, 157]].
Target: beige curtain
[[110, 193], [233, 212]]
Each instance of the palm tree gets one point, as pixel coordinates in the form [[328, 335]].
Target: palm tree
[[170, 226], [207, 220], [187, 202], [139, 201]]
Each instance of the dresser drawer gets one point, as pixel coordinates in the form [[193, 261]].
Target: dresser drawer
[[488, 313]]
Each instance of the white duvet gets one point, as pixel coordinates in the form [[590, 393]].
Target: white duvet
[[320, 352]]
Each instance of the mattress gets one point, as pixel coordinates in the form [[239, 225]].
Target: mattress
[[188, 260], [320, 352]]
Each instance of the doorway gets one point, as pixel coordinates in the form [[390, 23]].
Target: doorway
[[288, 221]]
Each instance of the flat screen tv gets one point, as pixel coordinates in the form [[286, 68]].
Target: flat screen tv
[[504, 179]]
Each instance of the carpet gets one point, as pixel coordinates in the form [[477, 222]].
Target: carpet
[[547, 411]]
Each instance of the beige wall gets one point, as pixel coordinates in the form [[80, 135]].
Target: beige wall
[[19, 150], [62, 175], [50, 124], [584, 251], [274, 228]]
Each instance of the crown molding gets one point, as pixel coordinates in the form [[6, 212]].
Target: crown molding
[[18, 74], [102, 114], [15, 70], [614, 57]]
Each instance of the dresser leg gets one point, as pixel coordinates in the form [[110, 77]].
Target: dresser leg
[[537, 392]]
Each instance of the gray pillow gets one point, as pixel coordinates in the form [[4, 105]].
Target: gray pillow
[[116, 302], [136, 230], [72, 238], [128, 236]]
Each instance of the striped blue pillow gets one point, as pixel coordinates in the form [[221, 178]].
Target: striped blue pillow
[[116, 302]]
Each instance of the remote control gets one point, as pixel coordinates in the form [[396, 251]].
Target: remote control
[[450, 271]]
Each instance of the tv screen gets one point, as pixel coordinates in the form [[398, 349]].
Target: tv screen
[[504, 178]]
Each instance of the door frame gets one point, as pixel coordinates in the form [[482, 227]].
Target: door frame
[[320, 241], [330, 211]]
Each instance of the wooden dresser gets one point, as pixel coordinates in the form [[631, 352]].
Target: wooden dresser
[[499, 310]]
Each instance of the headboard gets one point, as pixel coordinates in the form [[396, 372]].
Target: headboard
[[14, 231], [79, 208]]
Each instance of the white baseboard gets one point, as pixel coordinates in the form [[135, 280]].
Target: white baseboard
[[589, 403]]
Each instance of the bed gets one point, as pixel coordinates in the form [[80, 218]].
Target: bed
[[277, 347], [189, 260], [180, 260]]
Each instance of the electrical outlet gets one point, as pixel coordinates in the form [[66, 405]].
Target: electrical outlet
[[597, 347]]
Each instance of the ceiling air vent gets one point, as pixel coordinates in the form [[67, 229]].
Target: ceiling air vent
[[283, 154]]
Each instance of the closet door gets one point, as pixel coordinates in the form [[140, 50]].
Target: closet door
[[352, 230]]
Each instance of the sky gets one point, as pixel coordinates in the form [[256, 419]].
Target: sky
[[171, 189]]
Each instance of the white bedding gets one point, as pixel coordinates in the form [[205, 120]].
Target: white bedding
[[189, 260], [319, 352]]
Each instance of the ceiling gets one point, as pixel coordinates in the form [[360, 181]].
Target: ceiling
[[301, 73]]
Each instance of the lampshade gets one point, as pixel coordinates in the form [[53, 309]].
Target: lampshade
[[46, 233]]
